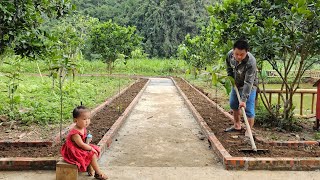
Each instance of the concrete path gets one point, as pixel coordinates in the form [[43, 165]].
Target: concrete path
[[161, 140], [160, 132]]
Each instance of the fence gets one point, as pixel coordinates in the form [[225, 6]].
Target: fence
[[307, 74], [302, 92]]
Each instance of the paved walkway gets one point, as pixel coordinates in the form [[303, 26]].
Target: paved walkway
[[161, 140]]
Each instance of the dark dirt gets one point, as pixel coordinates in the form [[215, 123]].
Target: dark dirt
[[218, 122], [105, 118], [100, 124]]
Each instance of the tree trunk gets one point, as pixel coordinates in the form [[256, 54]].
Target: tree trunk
[[109, 66]]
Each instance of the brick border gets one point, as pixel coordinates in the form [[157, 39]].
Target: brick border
[[24, 163], [251, 163], [259, 139], [27, 143], [287, 143], [49, 163]]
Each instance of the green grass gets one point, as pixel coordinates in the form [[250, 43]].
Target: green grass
[[278, 86], [38, 102], [307, 98], [148, 67]]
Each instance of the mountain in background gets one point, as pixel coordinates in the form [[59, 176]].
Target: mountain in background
[[163, 23]]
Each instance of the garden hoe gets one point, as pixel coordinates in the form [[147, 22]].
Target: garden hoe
[[254, 147]]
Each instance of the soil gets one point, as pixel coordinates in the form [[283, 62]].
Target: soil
[[100, 124], [233, 142], [268, 133], [276, 134], [34, 132], [105, 118]]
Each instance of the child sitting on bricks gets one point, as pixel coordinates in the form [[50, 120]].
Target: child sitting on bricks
[[76, 151]]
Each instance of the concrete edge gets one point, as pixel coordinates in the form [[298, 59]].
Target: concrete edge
[[106, 140]]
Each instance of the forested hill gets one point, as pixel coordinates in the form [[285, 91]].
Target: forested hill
[[162, 23]]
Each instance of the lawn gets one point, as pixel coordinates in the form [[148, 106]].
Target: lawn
[[36, 101], [307, 98]]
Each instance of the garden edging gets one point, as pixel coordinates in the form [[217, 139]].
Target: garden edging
[[250, 163], [49, 163]]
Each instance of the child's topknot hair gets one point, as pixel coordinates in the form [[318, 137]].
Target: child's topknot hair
[[78, 110]]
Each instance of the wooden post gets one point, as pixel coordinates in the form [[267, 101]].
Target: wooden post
[[270, 94], [317, 123], [278, 99], [301, 104], [312, 103]]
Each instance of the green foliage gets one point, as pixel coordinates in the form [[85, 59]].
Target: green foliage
[[109, 40], [193, 51], [162, 24], [285, 34], [40, 103], [265, 119], [12, 73], [138, 54], [64, 51], [21, 19]]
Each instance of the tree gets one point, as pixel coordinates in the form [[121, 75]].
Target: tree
[[285, 34], [192, 52], [19, 22], [162, 24], [109, 40]]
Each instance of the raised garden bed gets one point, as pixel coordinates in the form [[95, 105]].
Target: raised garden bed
[[307, 132], [297, 155], [107, 120]]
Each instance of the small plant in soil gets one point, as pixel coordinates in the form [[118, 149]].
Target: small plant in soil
[[13, 75]]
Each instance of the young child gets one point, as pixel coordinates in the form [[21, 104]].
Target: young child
[[76, 151]]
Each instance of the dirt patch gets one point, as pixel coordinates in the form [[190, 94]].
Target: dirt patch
[[268, 133], [100, 124], [275, 134], [105, 118], [232, 142], [34, 132]]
